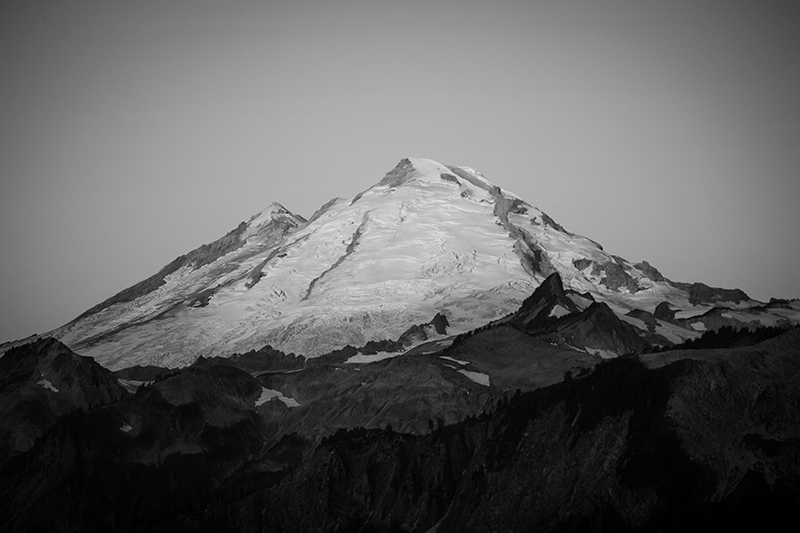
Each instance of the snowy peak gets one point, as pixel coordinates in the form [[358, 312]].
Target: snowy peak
[[275, 218], [275, 213], [268, 214], [419, 169], [426, 239]]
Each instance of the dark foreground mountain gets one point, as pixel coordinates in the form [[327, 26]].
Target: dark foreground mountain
[[41, 382], [672, 441]]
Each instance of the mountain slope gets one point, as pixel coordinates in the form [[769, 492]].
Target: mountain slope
[[41, 381], [426, 239], [691, 440]]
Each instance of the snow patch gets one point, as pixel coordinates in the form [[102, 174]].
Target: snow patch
[[269, 394], [47, 385], [559, 311], [698, 326], [605, 354], [635, 322], [693, 312], [380, 356], [580, 301], [675, 334], [477, 377], [132, 385], [453, 360], [125, 428]]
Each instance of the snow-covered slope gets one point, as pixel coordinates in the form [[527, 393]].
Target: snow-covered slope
[[427, 238]]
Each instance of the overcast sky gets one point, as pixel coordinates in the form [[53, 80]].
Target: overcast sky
[[134, 131]]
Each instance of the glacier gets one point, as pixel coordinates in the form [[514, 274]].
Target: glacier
[[427, 238]]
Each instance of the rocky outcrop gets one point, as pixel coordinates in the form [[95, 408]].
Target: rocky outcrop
[[278, 252], [595, 328], [399, 174], [650, 271], [324, 208], [351, 246], [599, 330], [665, 312], [613, 274], [700, 293], [542, 309], [449, 177]]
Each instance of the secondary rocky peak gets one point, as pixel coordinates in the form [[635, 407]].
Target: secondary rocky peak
[[275, 212], [547, 303]]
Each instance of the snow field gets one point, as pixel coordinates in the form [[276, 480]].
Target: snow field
[[269, 394], [478, 377]]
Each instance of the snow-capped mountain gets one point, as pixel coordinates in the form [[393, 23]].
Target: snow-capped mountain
[[426, 239]]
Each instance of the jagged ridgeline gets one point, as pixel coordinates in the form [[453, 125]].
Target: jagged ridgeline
[[659, 442], [434, 354]]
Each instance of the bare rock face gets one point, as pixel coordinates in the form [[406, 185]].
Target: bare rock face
[[700, 293], [600, 330], [594, 328], [663, 311], [399, 174], [544, 307], [650, 271], [612, 274]]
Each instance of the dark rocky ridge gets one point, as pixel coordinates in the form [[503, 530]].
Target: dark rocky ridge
[[614, 275], [535, 313], [42, 381], [700, 293], [603, 452], [351, 247], [257, 273], [650, 271], [677, 444], [281, 224], [596, 327], [268, 359]]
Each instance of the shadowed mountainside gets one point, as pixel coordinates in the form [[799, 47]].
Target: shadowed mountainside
[[673, 441]]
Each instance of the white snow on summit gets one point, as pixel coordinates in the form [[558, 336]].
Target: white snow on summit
[[425, 239]]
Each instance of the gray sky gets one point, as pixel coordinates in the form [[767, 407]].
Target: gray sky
[[133, 132]]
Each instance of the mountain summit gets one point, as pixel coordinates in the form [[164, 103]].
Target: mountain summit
[[426, 239]]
